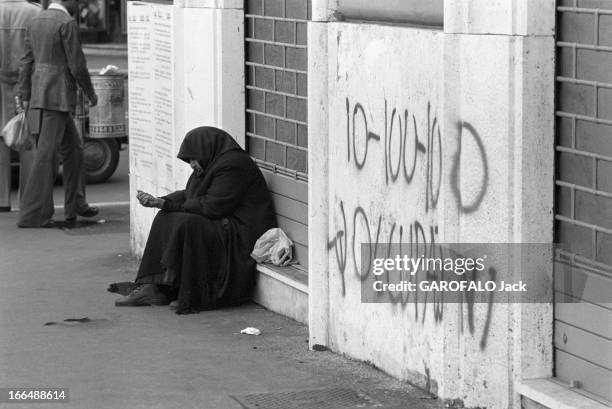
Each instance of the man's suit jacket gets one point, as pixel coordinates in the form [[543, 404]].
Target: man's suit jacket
[[53, 63], [14, 17]]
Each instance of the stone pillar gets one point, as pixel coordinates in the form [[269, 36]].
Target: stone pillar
[[499, 64], [209, 70], [207, 87], [323, 11], [487, 83], [318, 186]]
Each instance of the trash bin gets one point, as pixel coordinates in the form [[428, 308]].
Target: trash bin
[[102, 127], [107, 118]]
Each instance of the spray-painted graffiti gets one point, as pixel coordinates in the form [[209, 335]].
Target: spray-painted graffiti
[[409, 154], [455, 182], [396, 162], [370, 236], [364, 233]]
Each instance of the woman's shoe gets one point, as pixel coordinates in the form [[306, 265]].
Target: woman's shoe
[[145, 294]]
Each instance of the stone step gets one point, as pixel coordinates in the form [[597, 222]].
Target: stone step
[[283, 290]]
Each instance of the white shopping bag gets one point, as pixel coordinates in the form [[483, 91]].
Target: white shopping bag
[[16, 132], [273, 247]]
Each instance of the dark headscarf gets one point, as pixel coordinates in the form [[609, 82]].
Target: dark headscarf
[[205, 144]]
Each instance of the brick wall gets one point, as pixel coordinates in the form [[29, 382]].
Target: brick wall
[[277, 108], [584, 129], [583, 346], [276, 70]]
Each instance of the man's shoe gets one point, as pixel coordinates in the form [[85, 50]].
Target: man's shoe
[[70, 223], [50, 224], [145, 294], [89, 212]]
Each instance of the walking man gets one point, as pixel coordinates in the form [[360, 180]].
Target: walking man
[[51, 68], [14, 16]]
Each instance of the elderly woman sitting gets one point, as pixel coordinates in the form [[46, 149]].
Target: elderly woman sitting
[[198, 250]]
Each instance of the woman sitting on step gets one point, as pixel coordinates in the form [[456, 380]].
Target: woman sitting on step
[[198, 250]]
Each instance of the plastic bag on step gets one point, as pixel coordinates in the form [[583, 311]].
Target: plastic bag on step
[[273, 247]]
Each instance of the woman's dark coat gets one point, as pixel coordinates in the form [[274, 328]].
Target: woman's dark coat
[[200, 242]]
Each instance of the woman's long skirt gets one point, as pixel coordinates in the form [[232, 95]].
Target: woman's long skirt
[[189, 253]]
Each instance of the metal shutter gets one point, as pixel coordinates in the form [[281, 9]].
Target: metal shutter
[[276, 108], [583, 331]]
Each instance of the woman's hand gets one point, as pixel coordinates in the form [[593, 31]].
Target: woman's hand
[[157, 202], [148, 200], [144, 198]]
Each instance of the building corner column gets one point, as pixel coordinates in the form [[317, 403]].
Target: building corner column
[[187, 66], [499, 77], [318, 175], [209, 66]]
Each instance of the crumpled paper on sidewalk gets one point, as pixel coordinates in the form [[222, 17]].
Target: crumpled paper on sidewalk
[[251, 331]]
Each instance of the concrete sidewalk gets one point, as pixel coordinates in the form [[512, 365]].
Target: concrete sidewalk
[[147, 357]]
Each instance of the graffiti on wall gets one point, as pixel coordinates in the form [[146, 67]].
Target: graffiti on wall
[[400, 167], [412, 157]]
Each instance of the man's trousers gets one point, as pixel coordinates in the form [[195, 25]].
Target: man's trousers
[[25, 163], [7, 110], [58, 133]]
